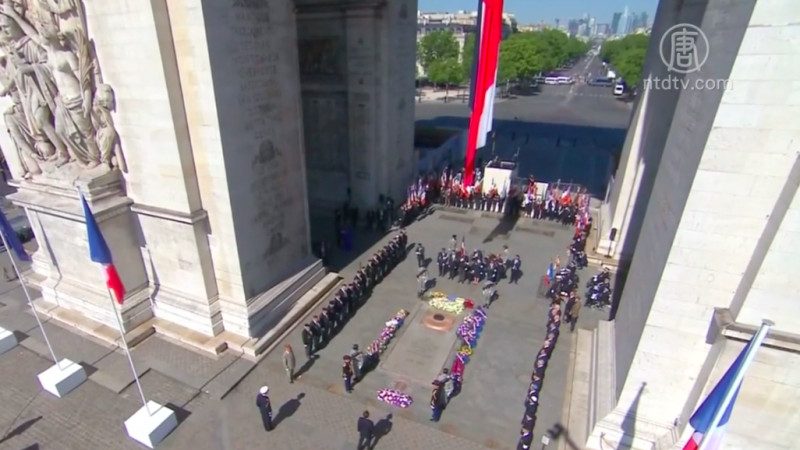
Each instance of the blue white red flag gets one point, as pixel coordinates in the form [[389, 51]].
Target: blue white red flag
[[704, 415], [99, 253], [12, 239], [487, 48], [551, 272]]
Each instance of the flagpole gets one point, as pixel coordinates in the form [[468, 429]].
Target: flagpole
[[761, 334], [30, 302], [128, 351]]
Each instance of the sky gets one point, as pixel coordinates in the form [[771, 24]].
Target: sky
[[535, 11]]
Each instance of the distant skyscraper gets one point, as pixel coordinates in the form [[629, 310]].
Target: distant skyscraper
[[624, 22], [615, 23], [643, 20], [572, 27], [592, 26]]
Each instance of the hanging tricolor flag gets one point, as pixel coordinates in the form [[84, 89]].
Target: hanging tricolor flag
[[99, 253], [12, 238], [487, 48], [706, 433]]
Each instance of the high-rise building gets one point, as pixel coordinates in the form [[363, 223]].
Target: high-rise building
[[615, 23], [592, 25], [572, 27], [643, 20]]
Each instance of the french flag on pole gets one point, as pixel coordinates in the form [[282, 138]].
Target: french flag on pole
[[717, 407], [487, 48], [99, 253]]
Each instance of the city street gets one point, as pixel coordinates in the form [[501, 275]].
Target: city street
[[572, 133]]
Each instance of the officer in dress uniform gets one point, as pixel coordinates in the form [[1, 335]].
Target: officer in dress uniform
[[516, 270], [316, 328], [308, 340], [420, 255], [325, 324], [441, 259], [265, 407]]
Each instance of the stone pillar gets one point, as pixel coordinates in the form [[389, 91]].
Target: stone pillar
[[238, 67], [62, 269], [135, 44]]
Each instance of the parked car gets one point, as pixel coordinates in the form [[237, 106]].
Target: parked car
[[619, 89], [602, 82], [565, 80]]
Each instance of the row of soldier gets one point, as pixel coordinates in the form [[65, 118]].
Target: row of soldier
[[454, 262], [351, 296], [531, 402]]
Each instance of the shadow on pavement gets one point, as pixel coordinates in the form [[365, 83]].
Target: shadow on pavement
[[21, 428], [180, 413], [504, 227], [587, 155], [288, 409], [382, 428], [306, 366]]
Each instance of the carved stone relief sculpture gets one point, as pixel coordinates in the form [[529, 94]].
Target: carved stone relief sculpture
[[60, 119]]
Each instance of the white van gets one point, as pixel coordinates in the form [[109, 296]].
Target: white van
[[551, 80], [619, 89], [565, 80]]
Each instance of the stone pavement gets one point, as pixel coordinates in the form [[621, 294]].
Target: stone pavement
[[314, 412]]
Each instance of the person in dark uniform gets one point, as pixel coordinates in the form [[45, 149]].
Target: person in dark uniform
[[265, 407], [516, 270], [316, 329], [463, 266], [308, 340], [453, 265], [347, 374], [366, 431], [437, 402], [325, 324], [441, 259], [420, 255]]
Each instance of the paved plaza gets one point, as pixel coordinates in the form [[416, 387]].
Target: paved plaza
[[314, 412]]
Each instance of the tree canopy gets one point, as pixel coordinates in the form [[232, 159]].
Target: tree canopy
[[448, 72], [627, 55], [523, 55], [437, 46]]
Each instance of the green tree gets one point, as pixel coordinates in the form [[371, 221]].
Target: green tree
[[448, 72], [627, 55], [468, 55], [437, 46], [630, 64]]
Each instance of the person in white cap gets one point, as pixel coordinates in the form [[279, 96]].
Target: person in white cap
[[264, 405]]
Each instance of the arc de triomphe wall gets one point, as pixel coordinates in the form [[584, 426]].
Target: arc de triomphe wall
[[181, 121]]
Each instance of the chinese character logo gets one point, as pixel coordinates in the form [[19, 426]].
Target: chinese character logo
[[684, 48]]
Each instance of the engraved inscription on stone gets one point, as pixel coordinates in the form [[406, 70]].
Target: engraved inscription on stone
[[321, 57]]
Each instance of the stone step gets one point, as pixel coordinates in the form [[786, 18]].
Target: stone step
[[255, 348], [602, 375], [577, 408], [102, 332]]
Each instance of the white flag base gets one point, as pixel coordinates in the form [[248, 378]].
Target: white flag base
[[7, 340], [62, 378], [151, 429]]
